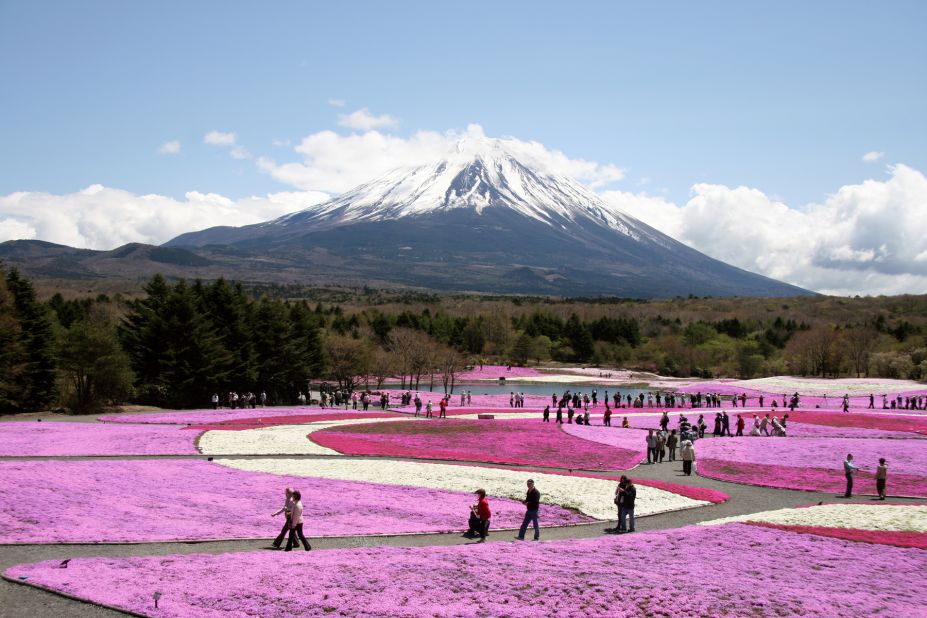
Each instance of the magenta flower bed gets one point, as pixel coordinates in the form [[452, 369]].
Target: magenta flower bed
[[809, 478], [626, 439], [815, 463], [527, 442], [75, 439], [100, 501], [734, 570], [494, 372], [258, 423], [209, 417], [883, 422], [878, 537], [904, 456]]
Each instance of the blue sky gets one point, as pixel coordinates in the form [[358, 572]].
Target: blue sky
[[783, 97]]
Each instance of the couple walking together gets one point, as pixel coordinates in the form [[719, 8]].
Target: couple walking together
[[293, 509]]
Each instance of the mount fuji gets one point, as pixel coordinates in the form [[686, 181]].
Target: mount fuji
[[487, 217]]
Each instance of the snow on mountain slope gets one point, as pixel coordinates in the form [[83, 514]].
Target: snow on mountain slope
[[478, 173]]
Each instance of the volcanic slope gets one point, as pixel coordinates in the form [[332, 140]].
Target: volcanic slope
[[484, 218]]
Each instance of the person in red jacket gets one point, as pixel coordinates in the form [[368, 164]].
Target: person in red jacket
[[740, 425], [481, 508]]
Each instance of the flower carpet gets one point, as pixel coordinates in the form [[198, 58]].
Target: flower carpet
[[527, 442], [753, 571], [247, 416], [78, 439], [133, 500], [278, 439], [899, 525], [589, 494], [815, 463]]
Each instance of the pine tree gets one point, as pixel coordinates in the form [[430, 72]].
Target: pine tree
[[143, 333], [12, 354], [228, 309], [37, 340]]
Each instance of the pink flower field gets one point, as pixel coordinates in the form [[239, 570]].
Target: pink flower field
[[133, 500], [878, 537], [210, 417], [527, 442], [494, 372], [815, 464], [297, 419], [730, 570], [76, 439]]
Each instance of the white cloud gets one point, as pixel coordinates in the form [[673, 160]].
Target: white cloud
[[281, 143], [240, 152], [103, 218], [218, 138], [363, 120], [337, 102], [873, 156], [864, 239], [335, 163], [170, 148]]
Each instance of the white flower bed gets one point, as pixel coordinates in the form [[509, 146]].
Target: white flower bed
[[811, 386], [592, 497], [276, 440], [889, 518]]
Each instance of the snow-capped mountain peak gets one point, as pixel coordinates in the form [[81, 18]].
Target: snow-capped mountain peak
[[476, 173]]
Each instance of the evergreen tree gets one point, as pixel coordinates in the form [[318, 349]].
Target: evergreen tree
[[143, 333], [37, 380], [580, 339], [228, 309], [94, 368], [195, 362], [12, 354], [274, 352]]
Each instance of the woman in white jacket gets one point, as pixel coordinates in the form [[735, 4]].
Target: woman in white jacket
[[687, 451]]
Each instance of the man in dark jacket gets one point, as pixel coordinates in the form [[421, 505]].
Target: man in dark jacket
[[532, 503], [627, 504]]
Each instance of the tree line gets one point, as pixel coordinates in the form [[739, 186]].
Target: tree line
[[180, 342]]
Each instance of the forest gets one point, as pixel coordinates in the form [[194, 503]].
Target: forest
[[175, 343]]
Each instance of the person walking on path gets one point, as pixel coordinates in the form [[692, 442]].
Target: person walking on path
[[725, 425], [481, 508], [287, 509], [687, 452], [849, 468], [532, 503], [740, 425], [651, 447], [296, 524], [881, 477], [671, 440], [428, 409]]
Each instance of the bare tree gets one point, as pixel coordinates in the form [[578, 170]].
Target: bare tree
[[382, 366], [449, 364], [411, 349], [858, 343], [348, 360]]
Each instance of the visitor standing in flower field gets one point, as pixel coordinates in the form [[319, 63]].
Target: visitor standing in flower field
[[619, 502], [481, 508], [287, 510], [881, 477], [651, 440], [532, 503], [687, 452], [671, 440], [849, 469]]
